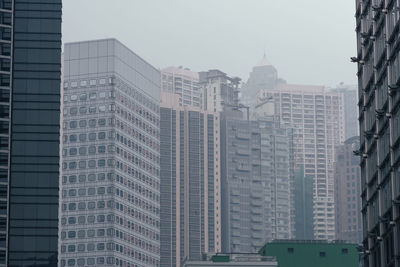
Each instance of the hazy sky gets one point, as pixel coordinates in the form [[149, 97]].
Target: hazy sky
[[308, 41]]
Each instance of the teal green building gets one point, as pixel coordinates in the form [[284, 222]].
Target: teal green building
[[299, 253]]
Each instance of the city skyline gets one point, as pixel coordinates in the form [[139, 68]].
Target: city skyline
[[248, 30]]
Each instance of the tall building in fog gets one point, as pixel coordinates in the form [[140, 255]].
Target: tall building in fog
[[348, 192], [264, 76], [30, 70], [256, 183], [219, 90], [317, 117], [110, 211], [190, 182], [378, 89], [184, 83], [350, 109]]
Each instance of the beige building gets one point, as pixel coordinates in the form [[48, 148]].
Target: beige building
[[190, 182], [317, 117], [184, 83]]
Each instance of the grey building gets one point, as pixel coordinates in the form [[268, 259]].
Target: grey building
[[378, 61], [110, 211], [219, 90], [234, 260], [190, 182], [348, 192], [256, 183], [30, 70]]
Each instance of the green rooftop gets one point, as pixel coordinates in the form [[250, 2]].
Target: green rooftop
[[305, 253]]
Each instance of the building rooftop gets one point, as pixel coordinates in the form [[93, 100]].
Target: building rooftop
[[181, 71]]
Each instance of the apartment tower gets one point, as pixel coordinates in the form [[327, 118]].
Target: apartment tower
[[110, 211], [190, 182], [317, 117], [183, 82], [257, 177]]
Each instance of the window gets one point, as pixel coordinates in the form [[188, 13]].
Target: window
[[82, 178], [92, 123], [82, 123], [72, 138], [82, 151], [90, 261], [100, 260], [101, 162], [81, 205], [90, 246], [345, 251], [100, 246], [82, 137], [83, 83], [101, 176], [82, 191], [91, 205], [74, 97], [322, 254], [73, 124], [90, 219], [91, 191], [92, 82], [102, 108], [101, 204], [72, 165], [81, 247], [72, 179], [101, 190], [71, 234], [81, 234], [81, 261], [92, 163], [81, 220], [72, 192], [82, 110], [72, 206], [101, 149], [72, 151], [92, 150], [71, 262], [92, 109], [92, 177], [102, 135], [92, 137], [82, 164], [73, 111], [92, 95], [100, 218], [102, 122]]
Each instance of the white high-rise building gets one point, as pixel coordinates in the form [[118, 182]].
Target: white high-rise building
[[317, 117], [184, 83], [110, 209]]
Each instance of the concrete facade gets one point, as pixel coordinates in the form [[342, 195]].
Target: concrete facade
[[317, 117], [184, 83], [190, 182], [219, 90], [110, 206], [256, 183]]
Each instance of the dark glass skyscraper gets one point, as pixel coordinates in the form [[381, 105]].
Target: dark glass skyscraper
[[30, 68]]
